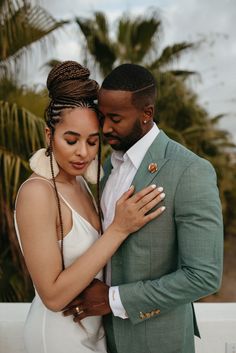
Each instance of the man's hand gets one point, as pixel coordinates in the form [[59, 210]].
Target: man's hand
[[93, 301]]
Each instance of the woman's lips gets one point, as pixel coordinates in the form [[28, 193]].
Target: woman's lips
[[79, 165]]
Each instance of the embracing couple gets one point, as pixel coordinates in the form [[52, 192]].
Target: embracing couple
[[118, 275]]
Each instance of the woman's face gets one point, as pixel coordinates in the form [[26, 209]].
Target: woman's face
[[75, 140]]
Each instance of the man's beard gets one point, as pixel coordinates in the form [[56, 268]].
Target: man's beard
[[125, 142]]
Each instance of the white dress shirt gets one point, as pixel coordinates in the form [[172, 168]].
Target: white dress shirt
[[125, 166]]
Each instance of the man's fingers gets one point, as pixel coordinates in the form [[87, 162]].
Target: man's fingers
[[72, 310], [80, 317], [73, 303]]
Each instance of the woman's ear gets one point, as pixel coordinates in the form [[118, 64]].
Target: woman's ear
[[47, 135]]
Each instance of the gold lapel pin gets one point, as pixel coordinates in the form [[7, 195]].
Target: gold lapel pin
[[152, 167]]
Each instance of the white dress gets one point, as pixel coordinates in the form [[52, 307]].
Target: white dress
[[50, 332]]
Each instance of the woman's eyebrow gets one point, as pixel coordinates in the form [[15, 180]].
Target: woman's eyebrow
[[73, 133]]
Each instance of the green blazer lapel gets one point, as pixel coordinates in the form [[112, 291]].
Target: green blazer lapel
[[155, 154], [107, 171]]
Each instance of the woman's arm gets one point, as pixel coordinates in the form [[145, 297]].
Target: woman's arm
[[37, 219]]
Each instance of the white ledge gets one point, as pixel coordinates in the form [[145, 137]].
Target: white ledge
[[217, 324]]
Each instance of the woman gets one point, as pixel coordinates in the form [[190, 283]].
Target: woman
[[57, 222]]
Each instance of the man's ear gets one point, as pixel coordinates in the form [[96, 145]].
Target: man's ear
[[148, 113]]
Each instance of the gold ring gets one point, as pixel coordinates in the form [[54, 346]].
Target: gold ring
[[78, 311]]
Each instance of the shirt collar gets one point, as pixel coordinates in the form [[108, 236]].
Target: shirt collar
[[137, 152]]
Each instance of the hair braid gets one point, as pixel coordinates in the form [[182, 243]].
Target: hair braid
[[69, 87], [58, 202], [98, 184]]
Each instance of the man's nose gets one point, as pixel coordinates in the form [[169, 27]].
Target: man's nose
[[107, 127]]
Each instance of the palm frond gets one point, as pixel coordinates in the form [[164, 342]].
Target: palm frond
[[96, 35], [20, 28], [171, 53], [183, 73], [21, 133], [217, 118], [51, 63], [136, 37]]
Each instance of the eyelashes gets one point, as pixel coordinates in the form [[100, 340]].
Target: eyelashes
[[89, 143]]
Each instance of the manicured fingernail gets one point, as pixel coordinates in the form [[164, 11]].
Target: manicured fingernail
[[131, 187], [160, 188], [153, 186], [162, 195], [163, 208]]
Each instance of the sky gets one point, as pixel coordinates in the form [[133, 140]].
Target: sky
[[210, 21]]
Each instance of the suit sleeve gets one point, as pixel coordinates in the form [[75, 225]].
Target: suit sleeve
[[199, 227]]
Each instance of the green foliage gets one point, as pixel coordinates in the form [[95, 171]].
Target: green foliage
[[136, 40], [21, 25], [178, 113], [21, 131], [33, 99], [184, 120]]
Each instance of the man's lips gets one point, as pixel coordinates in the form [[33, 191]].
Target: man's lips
[[111, 139]]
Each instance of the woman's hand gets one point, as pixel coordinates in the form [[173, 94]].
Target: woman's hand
[[132, 210]]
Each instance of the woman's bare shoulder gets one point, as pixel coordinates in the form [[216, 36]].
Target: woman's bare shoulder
[[36, 192]]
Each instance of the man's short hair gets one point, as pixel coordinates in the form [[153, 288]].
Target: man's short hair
[[133, 78]]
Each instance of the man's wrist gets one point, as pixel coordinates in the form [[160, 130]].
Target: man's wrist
[[115, 303]]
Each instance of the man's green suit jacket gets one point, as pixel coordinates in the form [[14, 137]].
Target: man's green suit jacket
[[173, 260]]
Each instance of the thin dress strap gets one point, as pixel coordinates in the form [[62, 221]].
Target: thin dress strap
[[90, 193], [48, 181]]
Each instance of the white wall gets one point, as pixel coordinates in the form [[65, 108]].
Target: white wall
[[217, 324]]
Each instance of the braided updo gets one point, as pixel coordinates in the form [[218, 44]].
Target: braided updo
[[69, 87]]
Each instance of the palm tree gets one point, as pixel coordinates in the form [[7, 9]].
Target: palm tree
[[136, 40], [21, 132], [22, 25]]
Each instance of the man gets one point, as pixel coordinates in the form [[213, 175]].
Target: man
[[173, 260]]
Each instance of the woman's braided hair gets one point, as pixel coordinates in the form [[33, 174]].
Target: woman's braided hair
[[69, 87]]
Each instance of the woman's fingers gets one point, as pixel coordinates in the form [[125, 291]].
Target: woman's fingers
[[156, 192], [126, 195], [143, 193], [150, 201], [147, 218], [132, 211]]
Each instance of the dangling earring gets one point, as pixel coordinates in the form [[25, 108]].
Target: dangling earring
[[91, 172], [40, 164]]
